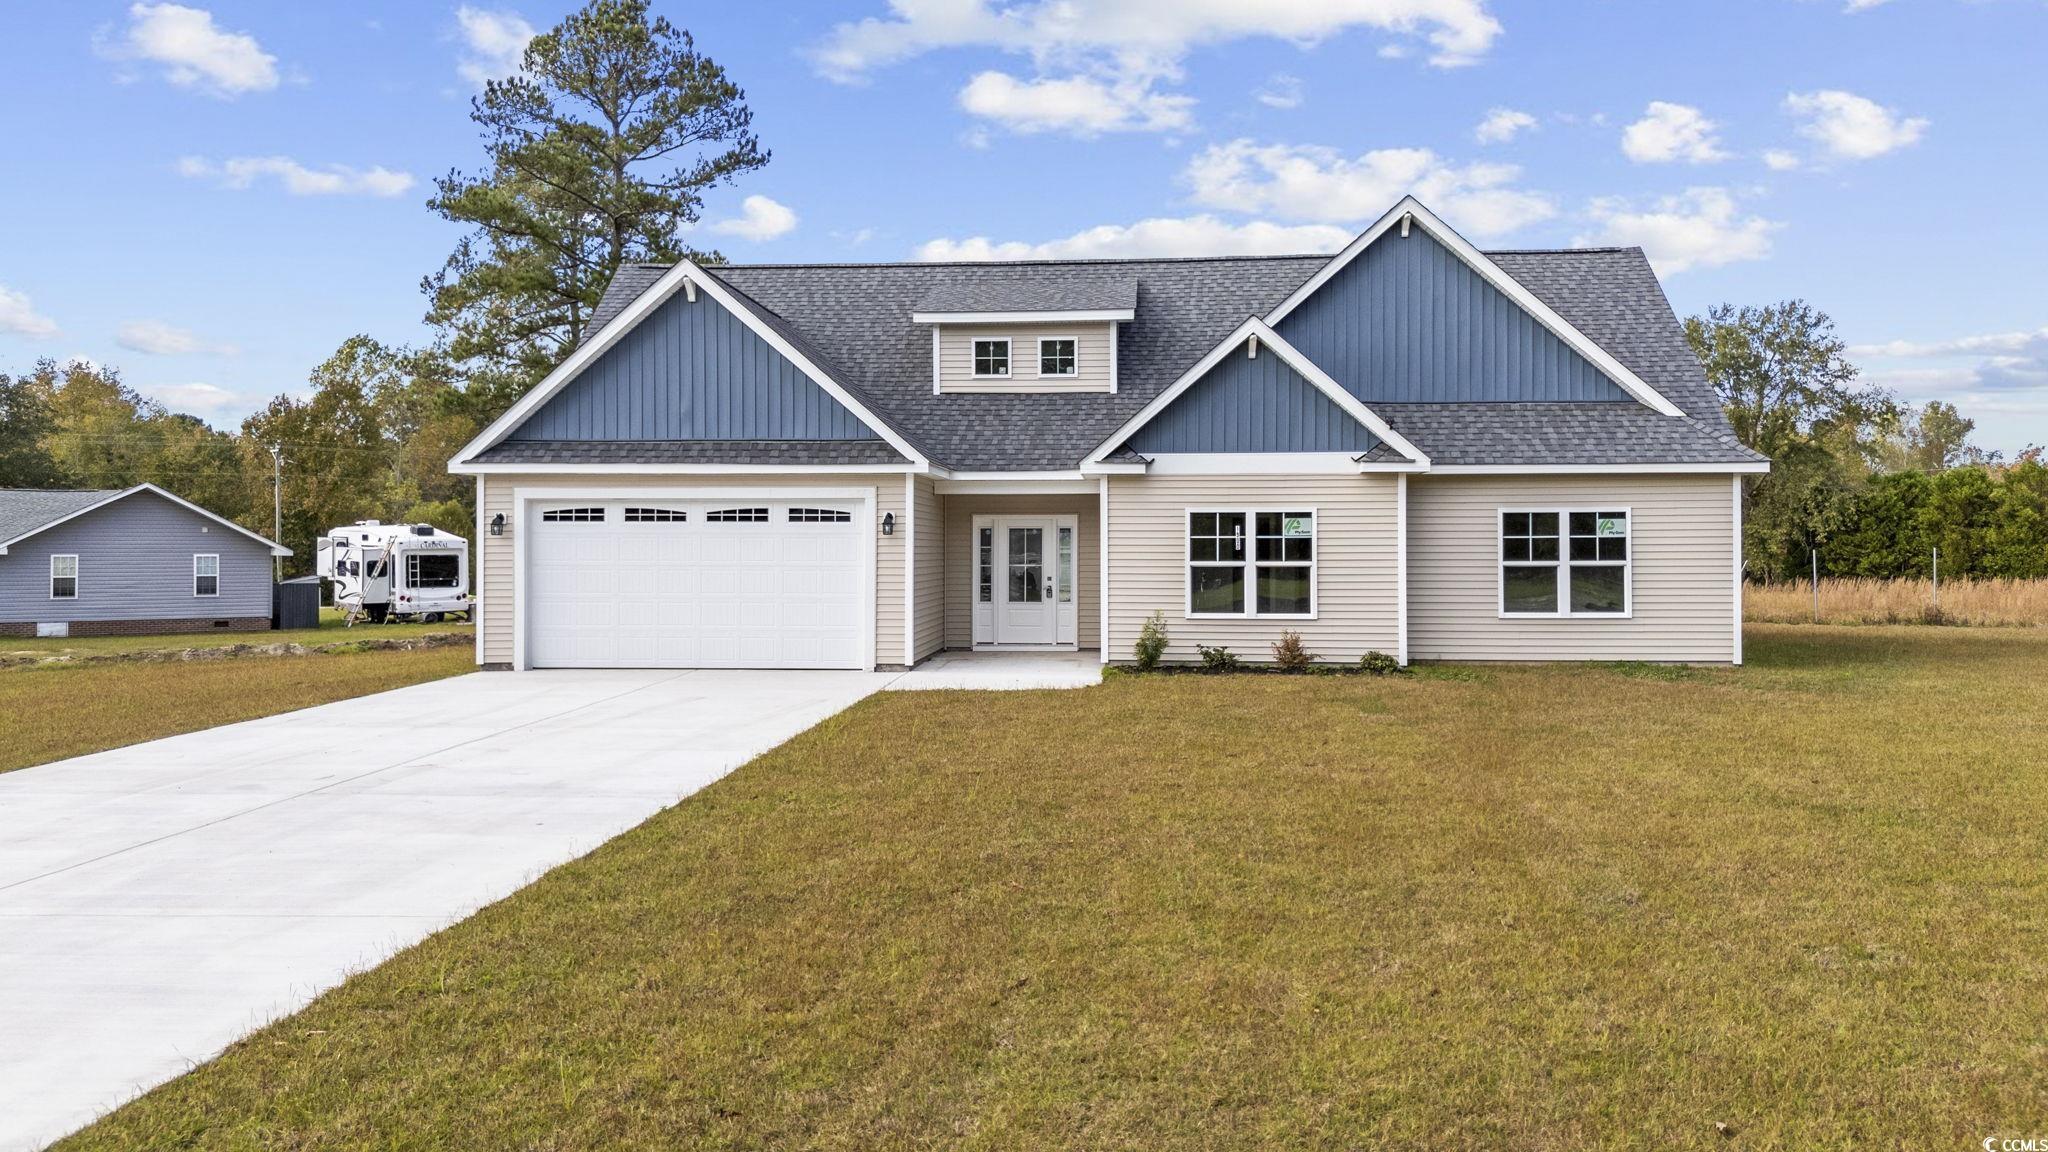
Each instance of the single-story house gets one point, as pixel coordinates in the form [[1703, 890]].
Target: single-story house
[[1410, 447], [127, 562]]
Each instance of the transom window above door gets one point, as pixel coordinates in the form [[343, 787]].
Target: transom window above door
[[1251, 563], [992, 357]]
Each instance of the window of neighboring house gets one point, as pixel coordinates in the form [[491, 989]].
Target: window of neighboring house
[[63, 577], [205, 574], [992, 357], [985, 565], [1056, 357], [1565, 562], [1251, 563]]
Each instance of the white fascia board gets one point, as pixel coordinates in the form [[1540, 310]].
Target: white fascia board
[[684, 272], [1118, 468], [276, 549], [1066, 487], [1596, 469], [1479, 262], [1253, 463], [677, 469], [1080, 316]]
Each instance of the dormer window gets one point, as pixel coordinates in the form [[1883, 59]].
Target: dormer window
[[992, 357], [1056, 356]]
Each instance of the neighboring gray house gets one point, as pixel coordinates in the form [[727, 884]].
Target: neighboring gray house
[[124, 562], [1411, 446]]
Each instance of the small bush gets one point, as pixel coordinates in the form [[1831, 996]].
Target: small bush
[[1291, 654], [1217, 659], [1378, 664], [1151, 643]]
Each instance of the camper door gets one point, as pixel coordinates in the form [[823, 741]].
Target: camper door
[[376, 576]]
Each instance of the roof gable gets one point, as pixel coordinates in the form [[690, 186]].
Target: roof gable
[[1249, 402], [30, 513]]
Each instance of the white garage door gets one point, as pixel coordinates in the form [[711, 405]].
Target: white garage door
[[747, 582]]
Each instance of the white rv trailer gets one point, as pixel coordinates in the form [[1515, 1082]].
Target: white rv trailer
[[395, 571]]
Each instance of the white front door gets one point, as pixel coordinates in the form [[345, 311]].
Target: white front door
[[1026, 611]]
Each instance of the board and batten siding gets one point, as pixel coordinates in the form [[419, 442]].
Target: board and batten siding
[[1681, 536], [960, 591], [1092, 357], [499, 591], [135, 563], [1357, 585], [928, 597], [1253, 404]]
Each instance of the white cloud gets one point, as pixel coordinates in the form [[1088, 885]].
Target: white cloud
[[195, 398], [1502, 125], [1081, 105], [194, 52], [160, 339], [1702, 228], [760, 219], [1781, 160], [1992, 344], [1850, 127], [1863, 5], [1321, 185], [18, 316], [1999, 379], [1669, 132], [1161, 236], [1282, 91], [494, 43], [333, 180]]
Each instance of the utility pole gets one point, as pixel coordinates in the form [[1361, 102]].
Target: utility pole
[[276, 509]]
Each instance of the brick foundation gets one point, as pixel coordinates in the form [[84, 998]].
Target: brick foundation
[[150, 627]]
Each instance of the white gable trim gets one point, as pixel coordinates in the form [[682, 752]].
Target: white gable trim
[[1256, 329], [276, 549], [1411, 209], [684, 273]]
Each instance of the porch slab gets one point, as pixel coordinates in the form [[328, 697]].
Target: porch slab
[[1002, 671]]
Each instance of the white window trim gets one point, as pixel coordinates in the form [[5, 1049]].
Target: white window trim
[[1043, 374], [1009, 358], [1564, 565], [1252, 562], [76, 575], [196, 574]]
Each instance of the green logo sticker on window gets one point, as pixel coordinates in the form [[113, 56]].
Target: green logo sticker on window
[[1613, 526], [1293, 526]]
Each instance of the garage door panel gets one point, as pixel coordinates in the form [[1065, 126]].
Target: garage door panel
[[685, 591]]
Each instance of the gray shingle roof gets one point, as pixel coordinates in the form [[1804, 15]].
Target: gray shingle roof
[[691, 452], [25, 510], [854, 321], [1032, 293]]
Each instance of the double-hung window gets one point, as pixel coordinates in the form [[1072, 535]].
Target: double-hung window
[[205, 574], [1564, 562], [992, 357], [1056, 356], [63, 577], [1252, 563]]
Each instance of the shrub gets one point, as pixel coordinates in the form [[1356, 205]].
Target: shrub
[[1151, 643], [1217, 659], [1378, 664], [1291, 654]]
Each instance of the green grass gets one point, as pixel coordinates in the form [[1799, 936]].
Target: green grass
[[1543, 908], [51, 712], [329, 631]]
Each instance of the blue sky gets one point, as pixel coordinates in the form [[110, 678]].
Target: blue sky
[[213, 196]]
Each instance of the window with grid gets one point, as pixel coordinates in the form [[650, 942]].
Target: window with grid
[[1564, 562], [738, 516], [819, 516], [1251, 563], [985, 565], [656, 516], [1056, 357], [205, 575], [573, 515], [63, 577], [992, 357]]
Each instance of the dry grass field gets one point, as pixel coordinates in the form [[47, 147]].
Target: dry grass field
[[2002, 603], [1793, 905]]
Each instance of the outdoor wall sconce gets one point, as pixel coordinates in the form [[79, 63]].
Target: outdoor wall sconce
[[498, 524], [888, 523]]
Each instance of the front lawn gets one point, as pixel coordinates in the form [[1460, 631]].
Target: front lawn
[[1795, 905], [54, 711]]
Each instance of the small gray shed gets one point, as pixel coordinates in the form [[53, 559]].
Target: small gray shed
[[127, 561]]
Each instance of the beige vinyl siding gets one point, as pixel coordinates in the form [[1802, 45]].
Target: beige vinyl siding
[[1357, 586], [960, 514], [929, 596], [1092, 353], [1681, 537], [496, 585]]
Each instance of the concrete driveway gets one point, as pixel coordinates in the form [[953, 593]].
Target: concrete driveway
[[158, 902]]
